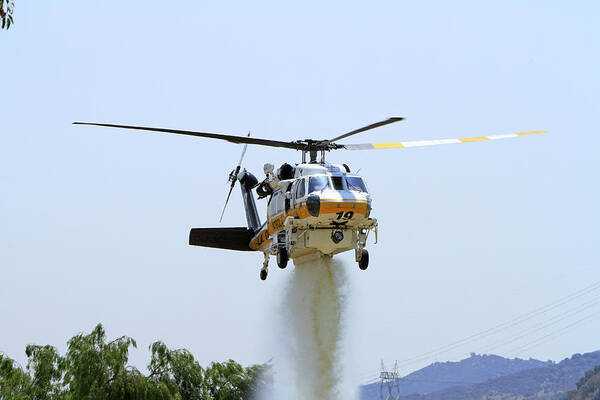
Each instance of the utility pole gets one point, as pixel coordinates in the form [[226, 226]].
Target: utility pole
[[389, 389]]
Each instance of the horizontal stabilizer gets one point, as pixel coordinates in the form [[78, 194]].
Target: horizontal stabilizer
[[222, 238]]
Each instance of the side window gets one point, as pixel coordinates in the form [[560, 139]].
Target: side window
[[294, 188], [273, 205], [300, 191], [269, 207]]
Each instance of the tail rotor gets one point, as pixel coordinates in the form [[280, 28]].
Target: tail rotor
[[233, 178]]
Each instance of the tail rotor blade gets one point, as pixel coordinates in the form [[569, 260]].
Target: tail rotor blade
[[243, 152], [233, 178], [227, 201]]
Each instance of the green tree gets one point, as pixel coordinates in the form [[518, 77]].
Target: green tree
[[219, 381], [45, 368], [97, 369], [226, 381], [230, 381], [178, 371], [6, 11], [15, 384], [94, 368], [260, 378]]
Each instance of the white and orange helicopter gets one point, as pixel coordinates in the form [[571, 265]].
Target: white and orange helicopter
[[314, 208]]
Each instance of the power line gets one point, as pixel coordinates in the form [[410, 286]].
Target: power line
[[561, 317], [498, 328], [523, 348], [552, 335], [502, 326]]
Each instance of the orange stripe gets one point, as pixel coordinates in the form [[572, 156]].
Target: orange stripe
[[474, 139], [396, 145], [276, 224], [530, 133]]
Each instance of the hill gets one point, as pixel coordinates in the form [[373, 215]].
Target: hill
[[439, 376], [588, 388], [547, 383]]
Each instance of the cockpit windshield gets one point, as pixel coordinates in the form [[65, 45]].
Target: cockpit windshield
[[318, 183], [356, 183]]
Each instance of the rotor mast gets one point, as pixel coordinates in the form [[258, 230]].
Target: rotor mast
[[313, 147], [313, 156]]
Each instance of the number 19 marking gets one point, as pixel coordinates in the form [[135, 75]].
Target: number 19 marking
[[347, 215]]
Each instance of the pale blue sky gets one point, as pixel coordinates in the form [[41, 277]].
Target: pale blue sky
[[95, 221]]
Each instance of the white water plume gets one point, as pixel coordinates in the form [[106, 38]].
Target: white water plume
[[313, 314]]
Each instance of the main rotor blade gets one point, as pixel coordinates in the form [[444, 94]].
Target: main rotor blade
[[220, 136], [366, 128], [419, 143]]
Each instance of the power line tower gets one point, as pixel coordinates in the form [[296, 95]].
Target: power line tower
[[389, 389]]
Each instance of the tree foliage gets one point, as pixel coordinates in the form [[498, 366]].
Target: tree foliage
[[588, 387], [6, 10], [14, 382], [94, 368]]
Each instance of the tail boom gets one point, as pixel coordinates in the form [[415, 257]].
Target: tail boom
[[222, 238]]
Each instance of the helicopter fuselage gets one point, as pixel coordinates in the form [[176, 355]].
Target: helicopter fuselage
[[322, 209]]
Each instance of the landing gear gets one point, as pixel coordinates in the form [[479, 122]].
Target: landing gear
[[264, 271], [362, 255], [282, 257], [363, 263]]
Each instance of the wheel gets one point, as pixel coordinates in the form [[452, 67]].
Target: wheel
[[282, 257], [364, 260], [263, 274]]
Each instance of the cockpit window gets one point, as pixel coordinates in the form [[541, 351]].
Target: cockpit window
[[338, 182], [318, 183], [356, 183], [300, 189]]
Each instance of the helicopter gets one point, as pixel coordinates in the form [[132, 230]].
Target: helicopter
[[314, 208]]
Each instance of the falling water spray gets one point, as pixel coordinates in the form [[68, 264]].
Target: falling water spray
[[313, 312]]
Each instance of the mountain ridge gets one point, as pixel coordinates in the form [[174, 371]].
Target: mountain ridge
[[547, 381]]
